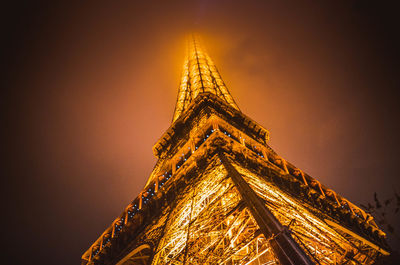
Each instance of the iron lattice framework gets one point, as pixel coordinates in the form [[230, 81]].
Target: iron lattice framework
[[199, 76], [219, 194]]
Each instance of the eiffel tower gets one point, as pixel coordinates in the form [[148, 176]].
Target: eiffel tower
[[219, 194]]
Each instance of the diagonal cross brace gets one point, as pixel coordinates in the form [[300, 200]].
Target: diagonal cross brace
[[285, 247]]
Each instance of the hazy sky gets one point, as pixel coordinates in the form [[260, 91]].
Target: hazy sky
[[91, 87]]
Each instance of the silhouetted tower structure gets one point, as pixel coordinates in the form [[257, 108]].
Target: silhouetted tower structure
[[219, 194]]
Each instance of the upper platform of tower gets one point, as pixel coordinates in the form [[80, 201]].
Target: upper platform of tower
[[199, 75], [203, 98]]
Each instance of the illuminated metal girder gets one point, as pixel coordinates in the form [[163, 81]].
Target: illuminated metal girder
[[219, 194], [199, 75]]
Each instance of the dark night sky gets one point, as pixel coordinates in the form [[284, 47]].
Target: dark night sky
[[90, 87]]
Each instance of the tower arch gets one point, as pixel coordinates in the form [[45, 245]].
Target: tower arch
[[139, 256]]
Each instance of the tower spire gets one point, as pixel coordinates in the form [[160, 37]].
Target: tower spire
[[199, 75]]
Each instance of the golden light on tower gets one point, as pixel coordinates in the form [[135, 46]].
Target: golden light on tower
[[219, 194], [199, 75]]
